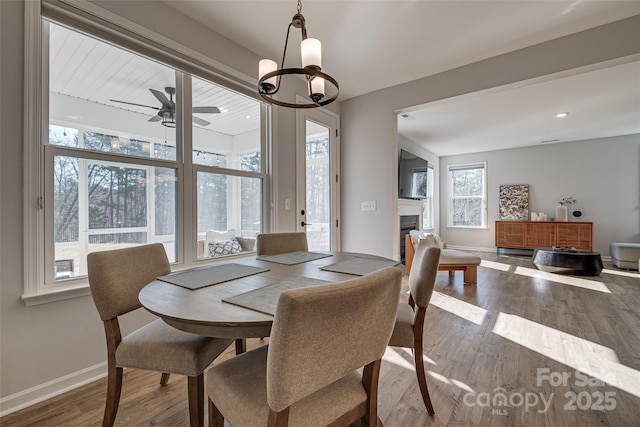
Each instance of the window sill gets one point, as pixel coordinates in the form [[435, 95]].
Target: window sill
[[81, 289], [57, 294]]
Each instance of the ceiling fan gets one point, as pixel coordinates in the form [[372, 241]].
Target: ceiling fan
[[167, 112]]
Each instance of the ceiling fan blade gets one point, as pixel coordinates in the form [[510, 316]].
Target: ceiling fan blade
[[155, 118], [166, 104], [133, 103], [199, 121], [205, 110]]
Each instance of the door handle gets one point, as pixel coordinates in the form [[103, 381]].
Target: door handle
[[304, 224]]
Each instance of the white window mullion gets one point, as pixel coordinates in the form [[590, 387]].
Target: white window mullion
[[83, 212], [151, 203], [234, 197], [186, 239]]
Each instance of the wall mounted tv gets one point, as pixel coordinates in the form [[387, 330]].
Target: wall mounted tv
[[412, 176]]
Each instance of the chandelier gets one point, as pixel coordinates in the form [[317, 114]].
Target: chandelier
[[270, 76]]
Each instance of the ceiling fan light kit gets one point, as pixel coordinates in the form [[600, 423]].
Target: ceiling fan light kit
[[270, 76], [167, 112]]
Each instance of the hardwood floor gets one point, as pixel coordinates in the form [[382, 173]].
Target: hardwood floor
[[502, 353]]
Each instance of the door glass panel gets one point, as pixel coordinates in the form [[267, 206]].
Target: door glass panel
[[318, 187]]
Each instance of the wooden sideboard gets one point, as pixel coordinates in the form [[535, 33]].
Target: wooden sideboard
[[538, 234]]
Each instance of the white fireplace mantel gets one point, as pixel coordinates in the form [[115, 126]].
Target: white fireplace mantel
[[411, 207]]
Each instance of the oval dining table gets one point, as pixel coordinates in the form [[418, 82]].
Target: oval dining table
[[202, 311]]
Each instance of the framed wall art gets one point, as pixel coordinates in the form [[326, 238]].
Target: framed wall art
[[514, 202]]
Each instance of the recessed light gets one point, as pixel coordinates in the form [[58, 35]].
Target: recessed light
[[248, 117], [74, 117], [549, 140], [562, 115]]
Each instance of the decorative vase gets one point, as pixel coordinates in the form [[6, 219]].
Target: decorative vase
[[562, 213]]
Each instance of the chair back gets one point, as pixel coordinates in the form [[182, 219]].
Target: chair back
[[117, 276], [322, 333], [423, 273], [279, 243]]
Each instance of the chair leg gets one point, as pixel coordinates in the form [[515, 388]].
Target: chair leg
[[278, 419], [241, 346], [195, 387], [215, 416], [422, 379], [370, 380], [114, 388], [164, 379]]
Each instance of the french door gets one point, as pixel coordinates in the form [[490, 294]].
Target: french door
[[318, 186]]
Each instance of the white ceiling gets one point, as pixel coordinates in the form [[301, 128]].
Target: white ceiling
[[369, 45], [600, 104]]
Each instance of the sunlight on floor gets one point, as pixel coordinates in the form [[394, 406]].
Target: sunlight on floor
[[567, 280], [394, 355], [585, 356], [495, 265], [439, 377], [462, 385], [622, 273], [460, 308], [409, 353]]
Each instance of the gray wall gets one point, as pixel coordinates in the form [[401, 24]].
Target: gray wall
[[602, 174], [47, 342], [369, 126]]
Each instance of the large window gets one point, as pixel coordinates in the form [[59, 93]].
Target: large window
[[468, 195], [113, 171]]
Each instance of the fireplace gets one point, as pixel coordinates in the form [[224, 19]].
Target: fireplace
[[407, 223]]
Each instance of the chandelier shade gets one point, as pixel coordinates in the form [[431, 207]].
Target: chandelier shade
[[270, 77]]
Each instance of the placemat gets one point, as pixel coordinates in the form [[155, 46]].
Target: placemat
[[292, 258], [265, 299], [207, 276], [359, 266]]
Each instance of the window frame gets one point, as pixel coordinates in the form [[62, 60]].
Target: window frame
[[482, 197], [39, 155], [428, 217]]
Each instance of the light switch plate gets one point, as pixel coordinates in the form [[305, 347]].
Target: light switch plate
[[369, 205]]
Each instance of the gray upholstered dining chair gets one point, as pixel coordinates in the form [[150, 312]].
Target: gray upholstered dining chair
[[115, 279], [279, 243], [308, 374], [409, 328]]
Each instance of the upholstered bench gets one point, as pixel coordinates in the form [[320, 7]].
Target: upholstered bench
[[451, 260], [625, 255]]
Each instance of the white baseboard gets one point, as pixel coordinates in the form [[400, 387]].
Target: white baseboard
[[471, 248], [39, 393]]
